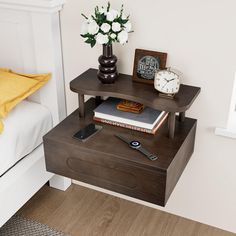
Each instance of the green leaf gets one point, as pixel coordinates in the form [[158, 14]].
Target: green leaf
[[94, 18], [108, 6], [88, 40], [124, 21], [85, 35], [84, 16], [93, 43], [122, 9], [97, 12]]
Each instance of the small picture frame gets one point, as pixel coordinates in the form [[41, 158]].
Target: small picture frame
[[146, 63]]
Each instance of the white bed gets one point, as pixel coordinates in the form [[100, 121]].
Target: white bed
[[24, 128], [30, 42]]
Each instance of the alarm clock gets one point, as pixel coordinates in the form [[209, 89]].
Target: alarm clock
[[167, 82]]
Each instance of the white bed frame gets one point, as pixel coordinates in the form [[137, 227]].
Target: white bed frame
[[30, 42]]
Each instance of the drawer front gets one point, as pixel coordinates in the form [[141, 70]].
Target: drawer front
[[105, 171]]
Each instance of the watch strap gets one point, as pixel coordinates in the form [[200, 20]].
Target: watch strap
[[122, 138], [149, 155]]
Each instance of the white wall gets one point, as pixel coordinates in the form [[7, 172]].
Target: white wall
[[200, 38]]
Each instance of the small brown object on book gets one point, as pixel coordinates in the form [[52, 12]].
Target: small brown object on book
[[129, 106]]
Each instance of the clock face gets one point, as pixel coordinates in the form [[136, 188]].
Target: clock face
[[167, 82]]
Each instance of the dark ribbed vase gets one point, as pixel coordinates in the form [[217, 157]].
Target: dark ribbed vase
[[107, 72]]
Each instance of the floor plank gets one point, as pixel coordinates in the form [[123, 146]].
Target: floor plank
[[81, 211]]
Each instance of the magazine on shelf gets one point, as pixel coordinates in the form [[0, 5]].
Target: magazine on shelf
[[133, 127], [147, 119]]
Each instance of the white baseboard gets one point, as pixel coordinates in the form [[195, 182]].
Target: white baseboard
[[225, 132]]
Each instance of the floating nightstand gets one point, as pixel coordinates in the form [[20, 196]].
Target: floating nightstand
[[105, 161]]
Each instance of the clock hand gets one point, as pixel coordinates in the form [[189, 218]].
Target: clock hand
[[165, 84], [168, 80]]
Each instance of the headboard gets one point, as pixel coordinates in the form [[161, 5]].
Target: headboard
[[30, 42]]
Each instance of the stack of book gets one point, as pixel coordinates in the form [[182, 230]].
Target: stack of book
[[148, 121]]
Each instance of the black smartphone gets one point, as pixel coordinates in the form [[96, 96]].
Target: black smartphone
[[87, 132]]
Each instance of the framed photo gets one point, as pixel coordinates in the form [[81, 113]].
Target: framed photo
[[146, 63]]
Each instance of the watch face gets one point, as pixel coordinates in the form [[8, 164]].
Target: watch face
[[135, 144], [167, 82]]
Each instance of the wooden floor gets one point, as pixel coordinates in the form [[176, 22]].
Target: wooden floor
[[82, 211]]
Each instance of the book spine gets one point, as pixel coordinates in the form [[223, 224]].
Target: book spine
[[128, 121], [159, 124], [127, 126]]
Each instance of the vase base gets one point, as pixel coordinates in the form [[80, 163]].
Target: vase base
[[109, 78], [107, 72]]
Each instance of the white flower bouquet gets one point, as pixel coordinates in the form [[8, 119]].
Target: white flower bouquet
[[106, 26]]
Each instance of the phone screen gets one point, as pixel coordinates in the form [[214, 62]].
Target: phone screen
[[87, 132]]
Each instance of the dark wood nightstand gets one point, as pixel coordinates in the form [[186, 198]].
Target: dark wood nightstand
[[105, 161]]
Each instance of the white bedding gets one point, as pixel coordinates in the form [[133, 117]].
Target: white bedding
[[24, 128]]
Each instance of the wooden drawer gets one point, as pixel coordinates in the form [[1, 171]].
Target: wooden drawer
[[113, 165], [103, 171]]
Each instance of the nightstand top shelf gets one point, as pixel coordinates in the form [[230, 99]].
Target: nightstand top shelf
[[87, 83]]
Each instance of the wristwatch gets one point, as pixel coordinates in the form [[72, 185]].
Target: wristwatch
[[137, 145]]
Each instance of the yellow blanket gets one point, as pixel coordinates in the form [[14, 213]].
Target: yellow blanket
[[14, 87]]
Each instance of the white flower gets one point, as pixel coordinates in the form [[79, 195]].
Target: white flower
[[105, 27], [122, 37], [112, 14], [84, 28], [113, 36], [128, 26], [93, 27], [102, 39], [116, 27]]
